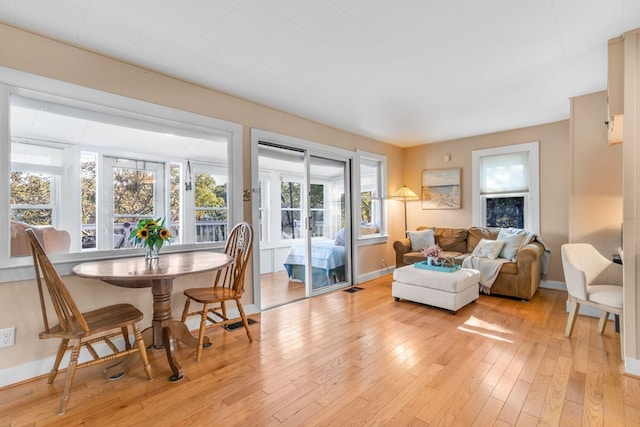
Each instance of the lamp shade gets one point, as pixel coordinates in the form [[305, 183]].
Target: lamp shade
[[404, 194]]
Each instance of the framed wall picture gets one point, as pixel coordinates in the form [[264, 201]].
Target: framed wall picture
[[441, 189]]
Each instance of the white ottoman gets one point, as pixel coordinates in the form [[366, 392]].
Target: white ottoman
[[450, 291]]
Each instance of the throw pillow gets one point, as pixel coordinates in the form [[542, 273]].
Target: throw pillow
[[512, 244], [421, 239], [488, 249], [339, 238]]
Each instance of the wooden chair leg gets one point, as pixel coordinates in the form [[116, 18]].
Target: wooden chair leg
[[244, 320], [71, 372], [142, 348], [185, 311], [203, 327], [125, 336], [573, 315], [602, 323], [56, 363]]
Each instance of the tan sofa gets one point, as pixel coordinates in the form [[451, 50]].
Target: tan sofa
[[518, 279], [52, 239]]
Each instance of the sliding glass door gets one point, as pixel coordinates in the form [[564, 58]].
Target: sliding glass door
[[326, 223], [303, 213]]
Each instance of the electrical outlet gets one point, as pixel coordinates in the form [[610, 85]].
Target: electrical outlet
[[7, 337], [382, 263]]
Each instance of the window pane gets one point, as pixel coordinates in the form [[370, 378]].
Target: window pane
[[505, 212], [211, 207], [89, 195], [370, 196], [173, 223], [290, 224], [30, 188], [317, 223], [317, 196], [31, 198], [290, 194]]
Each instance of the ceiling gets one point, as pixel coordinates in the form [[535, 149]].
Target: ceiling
[[406, 72]]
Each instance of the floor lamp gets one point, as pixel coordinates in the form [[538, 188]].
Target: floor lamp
[[405, 194]]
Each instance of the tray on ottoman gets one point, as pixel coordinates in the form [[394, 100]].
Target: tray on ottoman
[[446, 269]]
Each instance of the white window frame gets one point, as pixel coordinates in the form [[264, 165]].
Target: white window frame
[[26, 84], [532, 197], [381, 237]]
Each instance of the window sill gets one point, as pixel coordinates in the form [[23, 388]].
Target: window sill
[[371, 240], [22, 268]]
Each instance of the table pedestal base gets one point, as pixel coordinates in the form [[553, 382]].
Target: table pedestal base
[[174, 331]]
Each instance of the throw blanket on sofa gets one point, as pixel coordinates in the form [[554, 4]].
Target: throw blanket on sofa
[[488, 268]]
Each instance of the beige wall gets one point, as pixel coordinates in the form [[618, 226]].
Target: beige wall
[[595, 214], [554, 181], [24, 51]]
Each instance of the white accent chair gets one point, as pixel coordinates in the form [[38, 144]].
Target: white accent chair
[[592, 280]]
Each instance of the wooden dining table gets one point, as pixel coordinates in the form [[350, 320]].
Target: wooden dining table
[[158, 274]]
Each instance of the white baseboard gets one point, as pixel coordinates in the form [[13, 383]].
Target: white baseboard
[[632, 366], [374, 275], [552, 284], [43, 366]]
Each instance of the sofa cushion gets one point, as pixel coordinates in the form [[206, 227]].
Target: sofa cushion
[[413, 257], [421, 239], [488, 249], [478, 233], [452, 239]]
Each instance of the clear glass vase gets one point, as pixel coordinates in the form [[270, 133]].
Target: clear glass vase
[[151, 252]]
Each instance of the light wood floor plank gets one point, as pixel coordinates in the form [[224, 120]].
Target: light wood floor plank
[[364, 359]]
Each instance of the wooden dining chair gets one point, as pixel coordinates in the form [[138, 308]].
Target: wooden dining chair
[[92, 330], [228, 285]]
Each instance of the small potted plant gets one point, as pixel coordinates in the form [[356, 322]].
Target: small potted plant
[[432, 253]]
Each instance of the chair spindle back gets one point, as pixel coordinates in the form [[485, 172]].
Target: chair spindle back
[[69, 316], [239, 246]]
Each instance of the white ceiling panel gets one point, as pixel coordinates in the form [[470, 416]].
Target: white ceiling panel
[[406, 72]]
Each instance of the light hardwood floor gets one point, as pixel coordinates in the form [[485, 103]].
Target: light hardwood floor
[[363, 359], [276, 289]]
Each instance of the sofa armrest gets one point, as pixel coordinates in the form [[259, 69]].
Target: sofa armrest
[[402, 246], [529, 269], [530, 253]]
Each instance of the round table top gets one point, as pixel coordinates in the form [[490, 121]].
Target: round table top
[[167, 266]]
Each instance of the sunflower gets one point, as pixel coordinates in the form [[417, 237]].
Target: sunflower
[[164, 233], [150, 233], [143, 233]]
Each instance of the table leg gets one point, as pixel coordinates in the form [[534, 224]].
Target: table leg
[[182, 334], [162, 323], [165, 331], [169, 347]]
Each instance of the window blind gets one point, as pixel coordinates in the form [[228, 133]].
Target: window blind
[[504, 173]]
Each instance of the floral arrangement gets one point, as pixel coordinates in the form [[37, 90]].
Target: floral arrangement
[[433, 251], [150, 233]]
